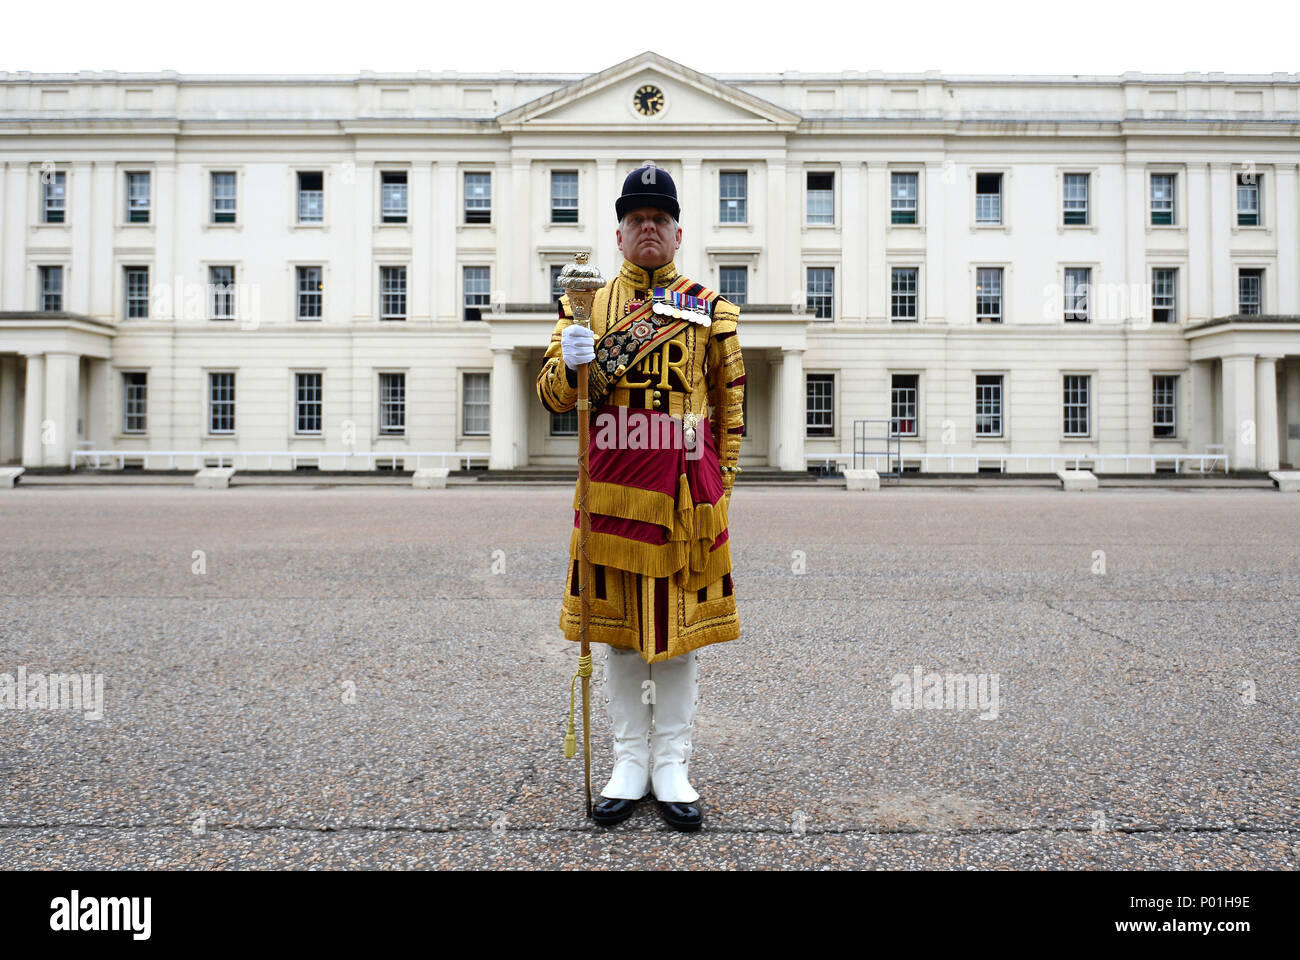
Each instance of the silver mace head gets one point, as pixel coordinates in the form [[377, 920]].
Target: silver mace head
[[580, 280]]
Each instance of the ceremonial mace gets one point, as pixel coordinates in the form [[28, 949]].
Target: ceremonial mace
[[581, 281]]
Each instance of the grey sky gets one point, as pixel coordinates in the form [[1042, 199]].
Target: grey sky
[[1005, 37]]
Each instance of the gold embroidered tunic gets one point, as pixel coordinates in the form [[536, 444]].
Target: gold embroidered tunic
[[659, 542]]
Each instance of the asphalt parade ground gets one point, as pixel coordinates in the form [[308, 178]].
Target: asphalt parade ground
[[333, 677]]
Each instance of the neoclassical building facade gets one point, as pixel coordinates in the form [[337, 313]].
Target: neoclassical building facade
[[350, 271]]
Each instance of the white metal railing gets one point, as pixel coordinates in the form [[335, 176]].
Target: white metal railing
[[1202, 461], [228, 457]]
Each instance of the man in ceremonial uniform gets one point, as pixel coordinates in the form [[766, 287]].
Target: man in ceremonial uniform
[[664, 361]]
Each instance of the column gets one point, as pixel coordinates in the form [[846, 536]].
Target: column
[[516, 272], [1292, 411], [604, 244], [1198, 245], [876, 304], [854, 303], [76, 281], [1266, 412], [503, 407], [33, 411], [447, 216], [423, 270], [364, 272], [1222, 278], [9, 423], [774, 408], [1239, 409], [1200, 406], [164, 213], [99, 430], [690, 258], [1136, 221], [1287, 230], [505, 220], [525, 403], [793, 417], [61, 374], [102, 280], [936, 259], [780, 256]]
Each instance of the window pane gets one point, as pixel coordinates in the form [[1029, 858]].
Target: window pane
[[564, 196], [733, 283], [478, 198], [819, 405], [903, 197], [733, 189]]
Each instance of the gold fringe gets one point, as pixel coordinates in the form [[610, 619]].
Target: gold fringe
[[690, 565], [632, 503]]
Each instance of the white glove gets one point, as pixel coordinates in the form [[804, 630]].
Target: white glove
[[578, 344]]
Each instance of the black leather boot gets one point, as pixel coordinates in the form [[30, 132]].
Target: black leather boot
[[611, 810], [681, 816]]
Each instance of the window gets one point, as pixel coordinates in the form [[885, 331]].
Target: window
[[902, 197], [310, 287], [223, 198], [392, 404], [51, 288], [902, 404], [311, 197], [1250, 292], [54, 196], [821, 292], [392, 196], [733, 283], [565, 424], [475, 406], [820, 405], [392, 293], [988, 198], [221, 403], [564, 196], [1162, 200], [1075, 213], [988, 405], [1077, 282], [221, 281], [307, 403], [733, 197], [821, 197], [1164, 286], [135, 395], [1164, 406], [137, 198], [988, 295], [1076, 406], [137, 292], [478, 198], [478, 283], [557, 291], [902, 296], [1248, 196]]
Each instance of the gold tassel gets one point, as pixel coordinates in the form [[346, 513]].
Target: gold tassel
[[571, 738]]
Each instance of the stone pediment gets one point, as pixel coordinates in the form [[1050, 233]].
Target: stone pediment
[[605, 101]]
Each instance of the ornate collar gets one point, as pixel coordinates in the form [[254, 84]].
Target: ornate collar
[[643, 279]]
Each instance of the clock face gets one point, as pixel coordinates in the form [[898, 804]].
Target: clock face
[[649, 100]]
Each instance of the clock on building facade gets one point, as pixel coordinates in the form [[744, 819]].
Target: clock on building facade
[[648, 100]]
